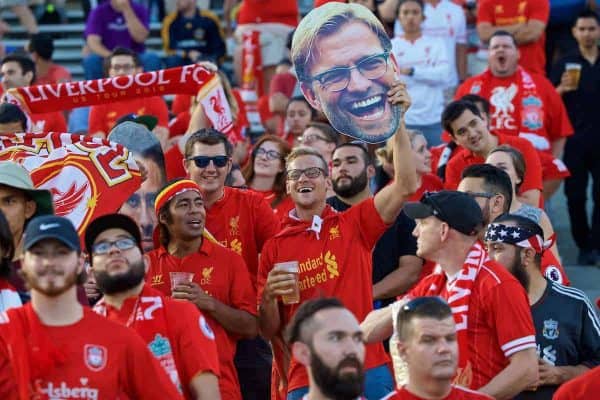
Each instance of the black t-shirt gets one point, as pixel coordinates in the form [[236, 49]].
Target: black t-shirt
[[581, 104], [567, 332]]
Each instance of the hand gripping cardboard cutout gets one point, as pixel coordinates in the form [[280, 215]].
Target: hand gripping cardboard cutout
[[343, 60]]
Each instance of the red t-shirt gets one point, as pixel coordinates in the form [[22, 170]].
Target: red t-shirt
[[465, 158], [499, 318], [223, 275], [334, 262], [553, 125], [55, 74], [283, 208], [49, 122], [457, 393], [103, 116], [243, 222], [259, 11], [104, 360], [429, 183], [509, 12], [586, 386], [193, 346]]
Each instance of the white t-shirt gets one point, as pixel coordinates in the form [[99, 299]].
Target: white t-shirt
[[446, 21], [427, 55]]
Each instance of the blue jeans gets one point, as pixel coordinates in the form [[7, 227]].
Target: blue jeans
[[93, 64], [433, 133], [378, 383]]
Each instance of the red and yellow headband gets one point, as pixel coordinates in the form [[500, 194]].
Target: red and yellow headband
[[173, 190]]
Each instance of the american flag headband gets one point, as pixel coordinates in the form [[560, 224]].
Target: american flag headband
[[517, 236]]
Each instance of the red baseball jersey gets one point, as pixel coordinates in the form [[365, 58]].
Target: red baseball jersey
[[509, 12], [465, 158], [334, 256], [242, 221], [191, 342], [586, 386], [456, 393], [102, 360], [499, 318], [103, 116], [223, 275]]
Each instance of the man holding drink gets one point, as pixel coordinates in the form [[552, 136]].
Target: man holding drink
[[577, 79], [212, 277], [332, 251]]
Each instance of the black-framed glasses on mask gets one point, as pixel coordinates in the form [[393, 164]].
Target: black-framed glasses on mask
[[337, 79], [121, 244], [312, 173], [203, 161]]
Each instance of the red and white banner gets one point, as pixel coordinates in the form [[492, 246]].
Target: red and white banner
[[190, 79], [88, 177]]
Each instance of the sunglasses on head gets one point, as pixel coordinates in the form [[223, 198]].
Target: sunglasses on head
[[418, 302], [203, 161]]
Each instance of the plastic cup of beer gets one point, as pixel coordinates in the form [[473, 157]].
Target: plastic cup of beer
[[180, 277], [291, 267], [574, 71]]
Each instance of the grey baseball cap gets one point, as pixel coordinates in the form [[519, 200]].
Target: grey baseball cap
[[15, 176], [133, 136]]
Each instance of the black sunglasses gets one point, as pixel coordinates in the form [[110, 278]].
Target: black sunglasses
[[203, 161]]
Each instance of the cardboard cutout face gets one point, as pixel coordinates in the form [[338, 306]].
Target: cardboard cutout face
[[344, 63]]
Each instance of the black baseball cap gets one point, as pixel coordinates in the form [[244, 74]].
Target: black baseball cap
[[457, 209], [109, 221], [51, 227]]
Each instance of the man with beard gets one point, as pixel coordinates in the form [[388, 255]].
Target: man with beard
[[428, 345], [331, 42], [395, 266], [491, 188], [333, 255], [566, 325], [326, 338], [216, 279], [496, 358], [523, 104], [177, 334], [54, 347]]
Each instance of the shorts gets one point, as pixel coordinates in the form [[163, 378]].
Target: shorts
[[273, 40], [552, 168]]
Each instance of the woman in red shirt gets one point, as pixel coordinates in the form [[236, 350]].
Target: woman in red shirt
[[265, 172]]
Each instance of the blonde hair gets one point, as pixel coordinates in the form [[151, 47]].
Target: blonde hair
[[300, 151], [327, 20]]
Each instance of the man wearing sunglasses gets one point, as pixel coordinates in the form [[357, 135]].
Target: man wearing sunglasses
[[176, 333], [240, 220], [427, 343], [346, 70], [333, 250], [495, 333]]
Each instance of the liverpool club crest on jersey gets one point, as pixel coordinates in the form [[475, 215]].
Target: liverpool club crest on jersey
[[550, 330], [95, 356]]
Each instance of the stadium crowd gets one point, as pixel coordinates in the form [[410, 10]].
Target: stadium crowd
[[218, 238]]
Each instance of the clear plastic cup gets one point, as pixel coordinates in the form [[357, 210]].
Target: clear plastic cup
[[291, 267], [180, 277]]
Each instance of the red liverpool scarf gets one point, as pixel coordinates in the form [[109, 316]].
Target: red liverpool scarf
[[458, 295], [516, 110], [148, 318], [190, 79], [252, 76]]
